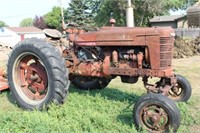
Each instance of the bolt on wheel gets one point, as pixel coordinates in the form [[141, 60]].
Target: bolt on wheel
[[154, 117]]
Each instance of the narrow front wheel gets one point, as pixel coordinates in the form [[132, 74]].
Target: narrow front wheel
[[181, 91]]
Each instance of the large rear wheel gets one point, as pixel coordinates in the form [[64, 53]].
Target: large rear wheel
[[37, 75]]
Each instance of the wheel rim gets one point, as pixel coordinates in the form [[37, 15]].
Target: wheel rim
[[176, 93], [30, 78], [154, 118]]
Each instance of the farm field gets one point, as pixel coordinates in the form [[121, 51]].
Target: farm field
[[106, 110]]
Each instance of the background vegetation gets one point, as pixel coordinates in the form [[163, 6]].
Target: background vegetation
[[2, 24], [26, 22]]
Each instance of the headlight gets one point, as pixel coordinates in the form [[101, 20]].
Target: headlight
[[173, 34]]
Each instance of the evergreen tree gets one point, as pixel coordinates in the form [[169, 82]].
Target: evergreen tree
[[82, 13]]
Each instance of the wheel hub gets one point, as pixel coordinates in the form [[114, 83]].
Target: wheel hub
[[155, 118], [36, 77], [32, 78], [175, 89], [176, 92]]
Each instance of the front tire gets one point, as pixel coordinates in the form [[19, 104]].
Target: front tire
[[182, 91], [37, 75], [156, 113]]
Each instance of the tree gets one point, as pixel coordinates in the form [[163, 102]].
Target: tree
[[178, 4], [2, 24], [26, 22], [146, 9], [53, 18], [82, 12], [39, 22], [143, 9], [111, 8]]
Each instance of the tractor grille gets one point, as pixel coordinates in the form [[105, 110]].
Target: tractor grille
[[166, 46]]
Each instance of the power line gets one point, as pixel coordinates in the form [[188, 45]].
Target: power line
[[15, 16], [21, 15]]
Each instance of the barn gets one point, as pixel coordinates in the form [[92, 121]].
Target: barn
[[12, 35]]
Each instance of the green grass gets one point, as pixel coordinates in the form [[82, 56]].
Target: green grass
[[107, 110]]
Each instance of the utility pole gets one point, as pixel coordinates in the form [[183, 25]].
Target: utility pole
[[129, 15], [62, 14]]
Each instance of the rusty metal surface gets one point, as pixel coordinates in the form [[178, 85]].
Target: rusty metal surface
[[141, 72], [111, 35], [154, 117], [3, 81], [129, 53], [159, 41], [53, 33], [31, 76]]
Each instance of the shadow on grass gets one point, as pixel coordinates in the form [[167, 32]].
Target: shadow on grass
[[108, 93], [10, 98]]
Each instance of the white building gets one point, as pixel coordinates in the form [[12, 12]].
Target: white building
[[10, 36]]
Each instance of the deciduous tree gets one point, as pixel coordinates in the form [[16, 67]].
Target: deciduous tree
[[26, 22], [2, 24], [53, 18], [39, 22]]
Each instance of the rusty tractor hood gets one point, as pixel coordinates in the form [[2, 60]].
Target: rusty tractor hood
[[119, 36]]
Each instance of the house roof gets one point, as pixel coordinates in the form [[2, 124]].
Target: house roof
[[20, 30], [166, 18]]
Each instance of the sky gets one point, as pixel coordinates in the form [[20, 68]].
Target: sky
[[13, 11]]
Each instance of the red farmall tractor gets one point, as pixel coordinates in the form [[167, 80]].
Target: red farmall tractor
[[40, 71]]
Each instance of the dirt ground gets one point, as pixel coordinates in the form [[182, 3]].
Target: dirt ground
[[186, 47]]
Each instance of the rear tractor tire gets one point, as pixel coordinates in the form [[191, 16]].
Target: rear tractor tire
[[37, 75], [156, 113], [90, 83]]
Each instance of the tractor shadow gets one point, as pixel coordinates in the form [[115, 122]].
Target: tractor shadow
[[113, 94], [10, 97]]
